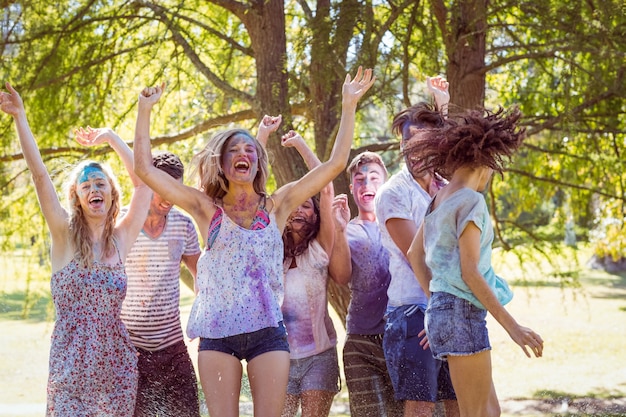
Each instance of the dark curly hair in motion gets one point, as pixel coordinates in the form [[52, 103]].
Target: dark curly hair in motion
[[476, 138], [310, 231]]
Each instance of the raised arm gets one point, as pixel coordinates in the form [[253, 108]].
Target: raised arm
[[268, 125], [340, 266], [189, 199], [292, 139], [54, 213], [129, 226], [90, 136], [438, 86], [291, 195], [326, 235]]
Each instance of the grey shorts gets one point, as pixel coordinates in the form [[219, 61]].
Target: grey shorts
[[316, 373], [455, 326]]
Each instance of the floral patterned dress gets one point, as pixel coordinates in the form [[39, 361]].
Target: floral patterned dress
[[93, 364]]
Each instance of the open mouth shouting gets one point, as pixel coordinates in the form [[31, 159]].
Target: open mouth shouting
[[242, 166], [298, 219], [368, 196], [96, 202]]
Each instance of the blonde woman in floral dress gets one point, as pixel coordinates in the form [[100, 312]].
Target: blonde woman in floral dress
[[93, 365]]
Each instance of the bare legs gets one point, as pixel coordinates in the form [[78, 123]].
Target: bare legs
[[268, 374], [473, 383], [418, 409], [220, 376], [314, 404]]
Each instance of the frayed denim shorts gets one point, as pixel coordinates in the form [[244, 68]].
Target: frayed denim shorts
[[249, 345], [455, 326]]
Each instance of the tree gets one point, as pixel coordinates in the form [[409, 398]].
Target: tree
[[227, 61]]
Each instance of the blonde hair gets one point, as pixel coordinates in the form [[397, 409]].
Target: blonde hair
[[208, 165], [79, 230]]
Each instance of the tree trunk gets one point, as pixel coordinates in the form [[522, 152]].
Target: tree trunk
[[464, 29], [266, 27]]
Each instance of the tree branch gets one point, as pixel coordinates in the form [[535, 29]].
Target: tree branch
[[565, 184], [159, 140], [189, 51]]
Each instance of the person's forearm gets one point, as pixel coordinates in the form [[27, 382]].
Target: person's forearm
[[310, 159], [126, 155], [481, 290], [142, 152], [340, 265], [345, 134], [29, 148]]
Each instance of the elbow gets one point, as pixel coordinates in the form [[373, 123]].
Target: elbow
[[411, 254], [140, 166], [336, 165], [341, 279]]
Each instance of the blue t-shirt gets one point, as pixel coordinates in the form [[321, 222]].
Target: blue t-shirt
[[442, 228], [370, 278]]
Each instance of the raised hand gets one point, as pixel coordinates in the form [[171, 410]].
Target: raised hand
[[341, 211], [354, 89], [11, 102], [268, 125], [290, 139], [438, 86], [149, 96], [91, 137]]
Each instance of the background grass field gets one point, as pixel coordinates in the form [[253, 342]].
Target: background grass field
[[580, 313]]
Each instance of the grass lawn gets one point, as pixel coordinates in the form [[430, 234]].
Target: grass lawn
[[583, 326]]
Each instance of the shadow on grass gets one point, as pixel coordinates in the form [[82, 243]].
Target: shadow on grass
[[610, 286], [21, 305]]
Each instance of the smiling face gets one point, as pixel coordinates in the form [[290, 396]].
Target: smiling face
[[240, 160], [304, 215], [160, 206], [93, 190], [365, 183]]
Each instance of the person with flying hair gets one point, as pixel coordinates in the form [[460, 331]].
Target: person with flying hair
[[419, 380], [451, 253]]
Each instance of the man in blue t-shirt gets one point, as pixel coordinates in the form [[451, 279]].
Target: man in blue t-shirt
[[360, 260]]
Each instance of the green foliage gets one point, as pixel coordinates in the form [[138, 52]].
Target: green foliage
[[83, 63], [608, 236]]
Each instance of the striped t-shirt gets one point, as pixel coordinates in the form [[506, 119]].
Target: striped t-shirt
[[151, 308]]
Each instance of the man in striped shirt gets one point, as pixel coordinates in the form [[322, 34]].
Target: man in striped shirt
[[167, 379]]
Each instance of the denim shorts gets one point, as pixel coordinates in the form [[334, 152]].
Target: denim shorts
[[249, 345], [415, 374], [455, 326], [315, 373]]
